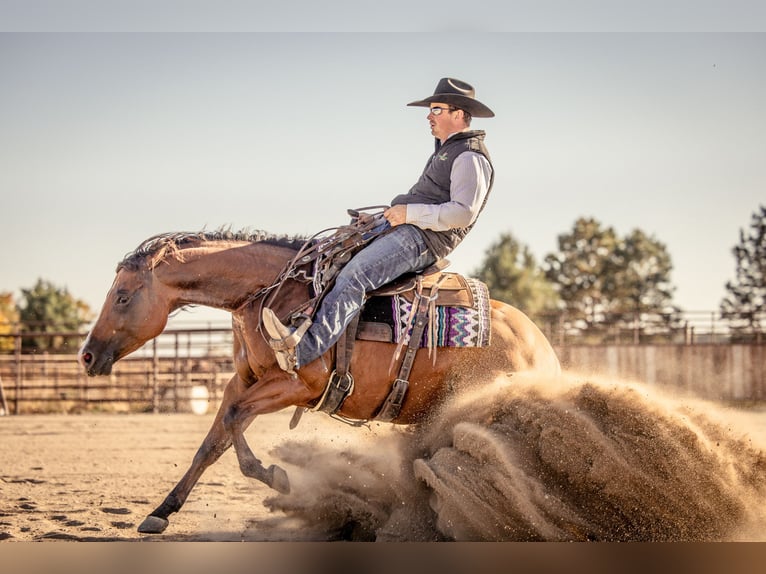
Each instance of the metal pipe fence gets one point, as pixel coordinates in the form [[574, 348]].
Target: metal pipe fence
[[181, 370], [687, 328], [187, 368]]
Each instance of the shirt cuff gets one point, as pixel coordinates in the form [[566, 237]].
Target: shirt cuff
[[422, 215]]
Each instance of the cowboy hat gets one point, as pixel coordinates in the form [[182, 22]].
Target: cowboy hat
[[459, 94]]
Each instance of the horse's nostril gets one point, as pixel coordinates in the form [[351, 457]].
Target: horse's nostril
[[87, 358]]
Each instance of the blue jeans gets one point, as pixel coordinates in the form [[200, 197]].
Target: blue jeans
[[399, 251]]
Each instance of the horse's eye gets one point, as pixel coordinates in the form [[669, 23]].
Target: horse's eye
[[123, 299]]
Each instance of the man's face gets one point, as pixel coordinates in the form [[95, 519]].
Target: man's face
[[444, 120]]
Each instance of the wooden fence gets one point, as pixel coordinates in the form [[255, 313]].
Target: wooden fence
[[719, 372]]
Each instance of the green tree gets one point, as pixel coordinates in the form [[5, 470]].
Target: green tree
[[9, 316], [745, 302], [50, 309], [512, 274], [605, 279], [642, 291], [583, 271]]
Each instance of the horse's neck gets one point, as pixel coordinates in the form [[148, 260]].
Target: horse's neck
[[223, 277]]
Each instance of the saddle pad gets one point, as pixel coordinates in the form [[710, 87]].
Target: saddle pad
[[384, 318]]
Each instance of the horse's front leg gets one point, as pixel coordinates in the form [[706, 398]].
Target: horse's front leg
[[216, 442], [267, 396]]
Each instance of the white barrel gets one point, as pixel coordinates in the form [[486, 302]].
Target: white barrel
[[199, 399]]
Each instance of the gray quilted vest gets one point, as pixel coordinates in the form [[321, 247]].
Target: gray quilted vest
[[434, 187]]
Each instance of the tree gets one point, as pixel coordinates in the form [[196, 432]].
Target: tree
[[583, 271], [49, 309], [512, 274], [745, 303], [642, 290], [9, 316], [603, 278]]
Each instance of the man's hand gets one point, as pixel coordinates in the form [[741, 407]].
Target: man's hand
[[396, 215]]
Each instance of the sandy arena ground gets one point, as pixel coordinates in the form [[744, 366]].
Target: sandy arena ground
[[96, 476]]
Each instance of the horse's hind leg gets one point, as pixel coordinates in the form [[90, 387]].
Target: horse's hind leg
[[273, 393], [236, 422], [215, 444]]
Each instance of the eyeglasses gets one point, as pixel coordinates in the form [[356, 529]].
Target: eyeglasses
[[436, 110]]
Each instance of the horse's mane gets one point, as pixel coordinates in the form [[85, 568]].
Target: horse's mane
[[156, 248]]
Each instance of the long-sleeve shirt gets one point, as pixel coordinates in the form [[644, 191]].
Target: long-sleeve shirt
[[469, 184]]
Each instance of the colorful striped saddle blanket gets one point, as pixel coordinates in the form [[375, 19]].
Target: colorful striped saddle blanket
[[460, 316]]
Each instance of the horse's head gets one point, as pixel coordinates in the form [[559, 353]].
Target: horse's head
[[135, 311], [217, 269]]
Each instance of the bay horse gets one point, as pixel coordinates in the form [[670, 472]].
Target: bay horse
[[231, 271]]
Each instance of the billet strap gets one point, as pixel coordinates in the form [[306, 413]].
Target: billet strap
[[345, 346], [419, 317], [392, 406], [341, 382], [296, 418], [338, 388], [413, 344]]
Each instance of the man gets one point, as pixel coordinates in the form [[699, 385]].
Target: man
[[426, 224]]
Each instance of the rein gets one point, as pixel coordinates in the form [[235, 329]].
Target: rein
[[329, 255]]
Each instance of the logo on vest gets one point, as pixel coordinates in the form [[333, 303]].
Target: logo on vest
[[441, 156]]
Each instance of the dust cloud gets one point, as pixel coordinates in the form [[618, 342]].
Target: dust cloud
[[525, 459]]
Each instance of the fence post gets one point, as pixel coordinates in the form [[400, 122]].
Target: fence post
[[155, 378], [17, 357], [188, 362], [2, 396], [561, 330], [176, 376]]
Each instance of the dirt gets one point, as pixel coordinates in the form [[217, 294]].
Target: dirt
[[96, 476], [513, 460]]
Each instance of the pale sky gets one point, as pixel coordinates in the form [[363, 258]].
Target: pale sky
[[109, 138]]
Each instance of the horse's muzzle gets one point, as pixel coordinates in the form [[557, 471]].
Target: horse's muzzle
[[94, 363]]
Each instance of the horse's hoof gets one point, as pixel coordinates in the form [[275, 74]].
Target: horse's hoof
[[153, 525], [278, 479]]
